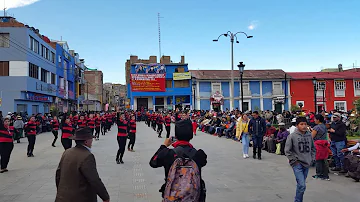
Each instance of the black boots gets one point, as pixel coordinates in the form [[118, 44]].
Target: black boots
[[258, 153], [254, 152]]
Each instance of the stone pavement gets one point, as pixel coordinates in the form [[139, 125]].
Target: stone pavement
[[228, 176]]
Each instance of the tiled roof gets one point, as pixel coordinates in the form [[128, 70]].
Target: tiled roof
[[325, 75], [248, 74]]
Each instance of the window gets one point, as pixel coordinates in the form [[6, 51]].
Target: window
[[340, 85], [357, 84], [44, 74], [21, 108], [36, 47], [4, 40], [43, 51], [340, 105], [168, 84], [300, 102], [33, 71], [181, 84], [52, 57], [53, 78], [179, 69], [4, 68], [215, 87], [320, 85], [35, 109]]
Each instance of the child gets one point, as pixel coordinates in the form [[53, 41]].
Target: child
[[300, 151], [194, 125]]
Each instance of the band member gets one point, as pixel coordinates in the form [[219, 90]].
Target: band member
[[160, 122], [132, 132], [55, 129], [167, 125], [109, 121], [67, 132], [103, 124], [97, 126], [6, 144], [147, 119], [31, 128], [81, 123], [91, 123], [153, 120], [121, 137], [74, 120]]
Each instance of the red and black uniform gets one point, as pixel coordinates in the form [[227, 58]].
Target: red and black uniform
[[103, 124], [148, 119], [159, 122], [132, 132], [97, 127], [153, 121], [30, 129], [67, 132], [81, 123], [121, 137], [74, 121], [55, 130], [138, 117], [109, 121], [6, 144], [91, 124], [167, 126]]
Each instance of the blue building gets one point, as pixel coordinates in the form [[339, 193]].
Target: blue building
[[172, 88], [65, 71], [262, 90], [28, 81]]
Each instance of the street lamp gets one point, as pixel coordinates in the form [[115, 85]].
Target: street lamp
[[194, 93], [314, 84], [241, 67], [233, 37]]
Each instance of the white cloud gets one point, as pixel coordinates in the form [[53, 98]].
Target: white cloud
[[15, 3], [253, 25]]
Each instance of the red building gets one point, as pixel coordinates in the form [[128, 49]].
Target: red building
[[334, 90]]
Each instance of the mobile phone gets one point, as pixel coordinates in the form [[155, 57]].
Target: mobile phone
[[173, 139]]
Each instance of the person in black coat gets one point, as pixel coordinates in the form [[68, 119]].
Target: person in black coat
[[165, 157]]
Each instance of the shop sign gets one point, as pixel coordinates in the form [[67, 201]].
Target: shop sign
[[148, 82], [182, 76], [37, 97], [88, 102]]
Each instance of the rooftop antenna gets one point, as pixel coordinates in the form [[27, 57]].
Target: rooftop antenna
[[4, 9], [159, 36]]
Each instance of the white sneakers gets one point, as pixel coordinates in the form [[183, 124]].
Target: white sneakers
[[246, 156]]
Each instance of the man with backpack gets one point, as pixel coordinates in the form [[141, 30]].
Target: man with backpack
[[183, 182]]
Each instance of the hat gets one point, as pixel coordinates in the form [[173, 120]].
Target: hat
[[293, 120], [19, 118], [184, 130], [281, 124], [9, 113], [337, 115], [82, 134], [8, 117]]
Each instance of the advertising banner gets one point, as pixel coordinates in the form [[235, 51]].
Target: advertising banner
[[148, 82], [150, 68], [182, 76], [37, 97]]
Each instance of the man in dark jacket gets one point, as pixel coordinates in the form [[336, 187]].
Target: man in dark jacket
[[257, 129], [338, 141], [165, 157]]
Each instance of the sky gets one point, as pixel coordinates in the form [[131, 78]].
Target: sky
[[302, 35]]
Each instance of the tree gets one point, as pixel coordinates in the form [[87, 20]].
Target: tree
[[357, 105], [295, 108]]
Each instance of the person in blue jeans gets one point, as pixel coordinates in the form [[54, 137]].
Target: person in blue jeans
[[300, 150], [257, 129], [338, 138]]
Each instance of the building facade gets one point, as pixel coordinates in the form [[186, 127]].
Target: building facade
[[93, 91], [114, 95], [334, 90], [159, 86], [28, 81], [262, 90]]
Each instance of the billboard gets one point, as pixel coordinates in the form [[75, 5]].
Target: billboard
[[182, 76], [150, 68], [148, 83]]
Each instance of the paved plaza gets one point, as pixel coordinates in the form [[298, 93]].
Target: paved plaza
[[227, 175]]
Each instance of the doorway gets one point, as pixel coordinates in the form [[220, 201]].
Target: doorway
[[142, 103], [278, 107], [245, 106], [216, 107]]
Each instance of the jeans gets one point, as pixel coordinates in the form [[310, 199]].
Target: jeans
[[257, 141], [245, 142], [336, 148], [300, 173]]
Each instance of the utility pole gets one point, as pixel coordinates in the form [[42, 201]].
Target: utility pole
[[4, 9], [87, 96], [159, 35]]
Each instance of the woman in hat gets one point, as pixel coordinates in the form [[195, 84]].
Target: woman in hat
[[6, 143], [19, 126], [67, 132]]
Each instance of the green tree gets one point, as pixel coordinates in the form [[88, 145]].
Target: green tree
[[294, 108]]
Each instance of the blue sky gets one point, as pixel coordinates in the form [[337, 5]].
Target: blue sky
[[291, 35]]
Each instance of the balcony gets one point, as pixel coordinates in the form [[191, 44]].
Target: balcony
[[278, 92]]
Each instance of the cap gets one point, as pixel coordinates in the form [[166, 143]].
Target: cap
[[293, 120], [337, 115]]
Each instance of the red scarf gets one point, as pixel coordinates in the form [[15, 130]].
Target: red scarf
[[181, 143]]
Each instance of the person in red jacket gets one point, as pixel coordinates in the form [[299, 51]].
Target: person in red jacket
[[103, 124], [132, 132], [6, 144], [167, 125], [159, 122], [31, 128], [55, 129], [109, 118], [97, 126], [67, 132], [121, 137], [91, 123], [194, 125], [81, 123]]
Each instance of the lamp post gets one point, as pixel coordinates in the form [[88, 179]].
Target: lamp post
[[323, 88], [233, 37], [314, 83], [241, 67], [194, 93]]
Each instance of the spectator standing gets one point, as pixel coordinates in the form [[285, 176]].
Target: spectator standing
[[300, 151], [77, 178], [257, 129], [338, 138], [19, 127]]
